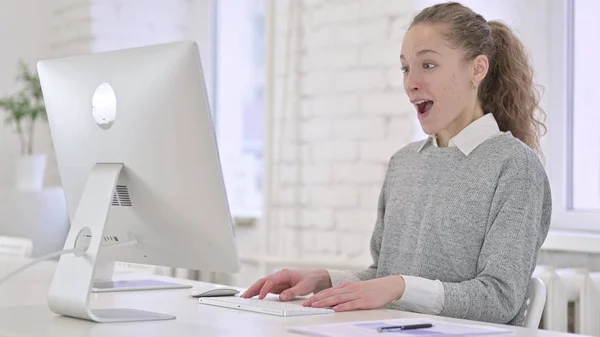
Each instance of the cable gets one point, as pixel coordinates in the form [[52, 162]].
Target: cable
[[52, 255], [36, 261]]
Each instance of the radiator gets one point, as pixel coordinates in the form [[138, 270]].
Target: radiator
[[566, 285]]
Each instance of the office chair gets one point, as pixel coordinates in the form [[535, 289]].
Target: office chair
[[535, 300]]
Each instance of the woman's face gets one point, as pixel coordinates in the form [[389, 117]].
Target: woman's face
[[438, 80]]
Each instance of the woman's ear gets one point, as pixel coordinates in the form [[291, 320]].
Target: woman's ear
[[481, 66]]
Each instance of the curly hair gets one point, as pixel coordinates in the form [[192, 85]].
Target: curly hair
[[508, 91]]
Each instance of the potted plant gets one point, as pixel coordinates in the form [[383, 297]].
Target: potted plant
[[22, 110]]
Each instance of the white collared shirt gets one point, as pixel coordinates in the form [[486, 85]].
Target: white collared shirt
[[471, 136], [425, 295]]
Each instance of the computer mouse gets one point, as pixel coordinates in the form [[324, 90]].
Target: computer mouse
[[215, 292]]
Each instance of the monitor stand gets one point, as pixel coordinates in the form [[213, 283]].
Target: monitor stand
[[105, 280], [70, 290]]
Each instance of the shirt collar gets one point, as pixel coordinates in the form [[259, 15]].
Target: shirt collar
[[471, 136]]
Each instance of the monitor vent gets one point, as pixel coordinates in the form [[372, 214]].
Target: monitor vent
[[121, 197]]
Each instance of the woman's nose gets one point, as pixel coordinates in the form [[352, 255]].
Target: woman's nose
[[411, 83]]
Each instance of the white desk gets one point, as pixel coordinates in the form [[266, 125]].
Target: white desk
[[23, 312]]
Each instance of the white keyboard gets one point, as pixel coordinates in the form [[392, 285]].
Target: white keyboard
[[271, 307]]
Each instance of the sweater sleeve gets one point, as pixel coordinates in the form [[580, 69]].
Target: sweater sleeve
[[340, 276], [519, 222]]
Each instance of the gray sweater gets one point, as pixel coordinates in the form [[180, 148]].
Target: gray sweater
[[473, 222]]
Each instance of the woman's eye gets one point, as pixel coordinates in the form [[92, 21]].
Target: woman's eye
[[428, 65], [404, 69]]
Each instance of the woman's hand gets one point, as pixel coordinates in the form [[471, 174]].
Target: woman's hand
[[289, 284], [371, 294]]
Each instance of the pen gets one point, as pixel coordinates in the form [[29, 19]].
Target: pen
[[405, 327]]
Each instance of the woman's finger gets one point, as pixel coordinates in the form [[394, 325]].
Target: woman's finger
[[335, 300], [350, 305], [325, 294]]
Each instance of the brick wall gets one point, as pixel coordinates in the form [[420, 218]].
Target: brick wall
[[340, 113]]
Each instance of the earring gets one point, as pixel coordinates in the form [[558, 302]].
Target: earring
[[473, 84]]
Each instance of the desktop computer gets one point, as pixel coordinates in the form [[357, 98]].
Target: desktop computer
[[140, 169]]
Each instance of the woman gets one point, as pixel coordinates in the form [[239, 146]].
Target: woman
[[461, 215]]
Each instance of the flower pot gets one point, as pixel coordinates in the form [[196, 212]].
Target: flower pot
[[30, 171]]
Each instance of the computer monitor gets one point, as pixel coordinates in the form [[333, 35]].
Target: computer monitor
[[139, 163]]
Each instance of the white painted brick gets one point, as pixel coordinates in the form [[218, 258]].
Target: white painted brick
[[312, 3], [306, 192], [286, 153], [288, 174], [329, 151], [340, 12], [400, 129], [395, 77], [286, 137], [285, 93], [283, 217], [291, 249], [399, 27], [309, 242], [358, 128], [330, 105], [315, 129], [284, 196], [316, 174], [331, 196], [274, 247], [288, 45], [379, 151], [380, 54], [388, 8], [251, 242], [284, 28], [353, 220], [282, 7], [247, 275], [359, 80], [338, 58], [352, 244], [319, 37], [369, 194], [358, 172], [386, 103], [280, 69], [326, 242], [317, 218], [316, 83], [306, 154], [306, 18], [365, 32]]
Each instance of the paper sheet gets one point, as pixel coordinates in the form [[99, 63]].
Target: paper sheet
[[369, 329]]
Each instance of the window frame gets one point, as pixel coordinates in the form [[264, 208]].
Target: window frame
[[248, 213], [560, 122]]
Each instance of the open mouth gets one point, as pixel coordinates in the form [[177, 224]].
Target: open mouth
[[424, 106]]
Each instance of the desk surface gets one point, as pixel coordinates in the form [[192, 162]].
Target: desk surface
[[24, 312]]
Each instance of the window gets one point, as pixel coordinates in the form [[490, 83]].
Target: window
[[239, 44], [573, 117], [583, 107]]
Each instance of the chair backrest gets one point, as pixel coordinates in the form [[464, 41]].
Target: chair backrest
[[15, 246], [535, 300]]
